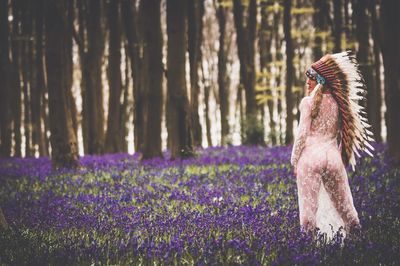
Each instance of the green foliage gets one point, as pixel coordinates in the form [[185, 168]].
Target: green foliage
[[297, 89], [302, 34], [322, 34], [330, 45], [259, 88], [264, 74], [276, 7], [302, 10], [264, 98], [187, 153], [253, 131], [225, 3], [277, 63], [348, 43]]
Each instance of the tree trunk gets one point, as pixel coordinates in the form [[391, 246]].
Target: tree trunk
[[391, 60], [5, 92], [206, 107], [92, 89], [63, 140], [114, 78], [265, 44], [16, 83], [289, 71], [46, 121], [125, 111], [195, 34], [135, 53], [251, 106], [69, 64], [278, 76], [363, 36], [153, 44], [256, 138], [338, 25], [38, 87], [26, 74], [223, 90], [377, 72], [207, 114], [246, 52], [320, 18], [179, 128], [141, 92], [347, 27]]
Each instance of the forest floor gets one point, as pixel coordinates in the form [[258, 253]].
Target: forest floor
[[235, 205]]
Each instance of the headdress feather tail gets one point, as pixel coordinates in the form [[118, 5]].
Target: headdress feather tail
[[343, 75]]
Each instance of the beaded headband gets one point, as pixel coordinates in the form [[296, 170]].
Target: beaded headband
[[312, 74]]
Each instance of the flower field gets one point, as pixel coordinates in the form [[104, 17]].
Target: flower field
[[235, 205]]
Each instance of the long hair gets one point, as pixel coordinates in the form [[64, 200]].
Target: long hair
[[317, 98]]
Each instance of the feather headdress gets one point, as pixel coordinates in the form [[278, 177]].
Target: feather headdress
[[341, 73]]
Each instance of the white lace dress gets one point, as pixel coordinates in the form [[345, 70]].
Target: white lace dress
[[324, 195]]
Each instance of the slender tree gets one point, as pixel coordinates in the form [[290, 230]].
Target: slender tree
[[26, 73], [320, 18], [246, 51], [38, 87], [124, 107], [195, 28], [141, 93], [5, 121], [207, 66], [207, 106], [153, 44], [15, 77], [113, 135], [91, 47], [223, 91], [278, 57], [377, 71], [63, 139], [178, 117], [5, 124], [347, 23], [289, 71], [338, 25], [362, 22], [135, 52], [389, 19], [265, 45], [69, 64]]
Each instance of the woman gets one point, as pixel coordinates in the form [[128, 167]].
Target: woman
[[331, 129]]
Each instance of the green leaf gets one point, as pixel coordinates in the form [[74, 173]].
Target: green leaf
[[302, 10], [225, 3], [244, 198], [297, 89], [149, 188]]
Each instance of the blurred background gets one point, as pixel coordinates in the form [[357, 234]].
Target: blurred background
[[82, 77]]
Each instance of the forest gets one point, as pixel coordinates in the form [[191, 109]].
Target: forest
[[120, 119], [98, 75]]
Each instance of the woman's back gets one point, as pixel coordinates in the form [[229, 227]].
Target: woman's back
[[324, 128], [325, 124]]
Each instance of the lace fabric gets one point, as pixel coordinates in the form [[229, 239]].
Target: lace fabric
[[324, 195]]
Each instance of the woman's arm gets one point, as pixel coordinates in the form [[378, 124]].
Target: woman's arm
[[302, 130]]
